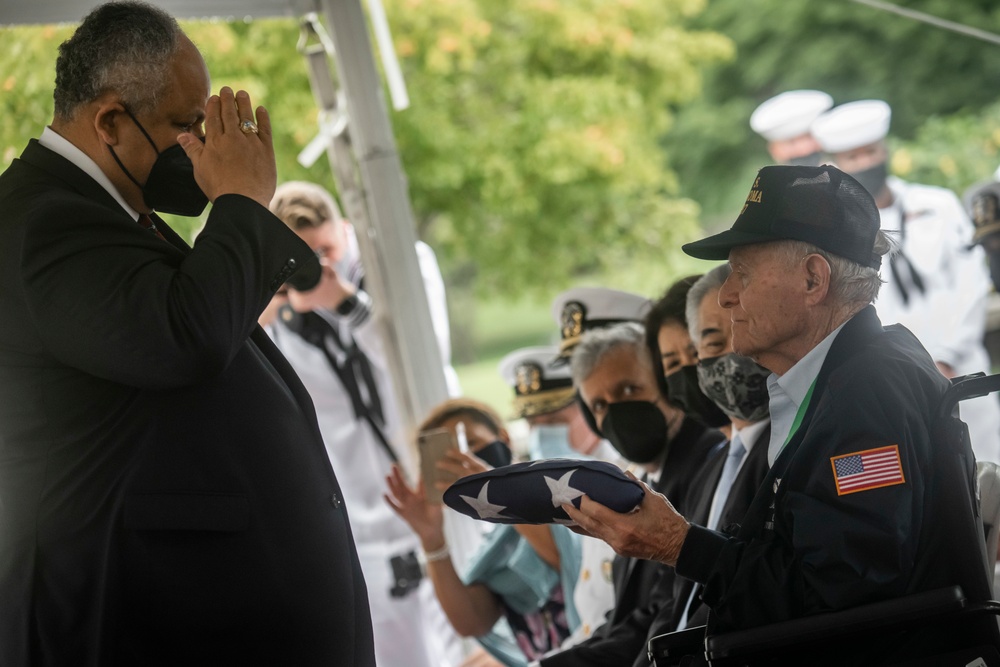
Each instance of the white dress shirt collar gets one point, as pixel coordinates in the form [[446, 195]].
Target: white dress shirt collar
[[61, 146], [789, 391]]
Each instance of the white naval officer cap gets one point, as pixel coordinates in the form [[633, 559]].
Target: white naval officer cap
[[789, 114], [539, 387], [852, 125], [581, 309]]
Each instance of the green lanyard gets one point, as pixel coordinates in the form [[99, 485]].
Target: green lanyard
[[797, 422]]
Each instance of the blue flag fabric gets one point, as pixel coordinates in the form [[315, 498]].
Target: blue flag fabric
[[534, 492]]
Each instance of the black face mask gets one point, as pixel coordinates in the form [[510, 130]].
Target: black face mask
[[683, 390], [873, 178], [812, 160], [497, 454], [170, 187], [637, 429]]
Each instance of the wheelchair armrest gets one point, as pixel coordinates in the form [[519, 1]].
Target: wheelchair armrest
[[870, 619], [667, 648]]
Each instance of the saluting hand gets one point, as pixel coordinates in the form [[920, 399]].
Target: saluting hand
[[233, 161]]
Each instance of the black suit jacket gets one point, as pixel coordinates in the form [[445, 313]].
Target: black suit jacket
[[804, 547], [165, 495], [622, 638], [741, 494]]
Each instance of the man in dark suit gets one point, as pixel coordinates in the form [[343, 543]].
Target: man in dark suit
[[723, 490], [165, 496], [862, 502], [613, 372]]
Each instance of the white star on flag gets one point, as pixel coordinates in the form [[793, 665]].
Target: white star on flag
[[562, 492], [483, 507]]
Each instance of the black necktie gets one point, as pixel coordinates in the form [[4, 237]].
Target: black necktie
[[354, 370]]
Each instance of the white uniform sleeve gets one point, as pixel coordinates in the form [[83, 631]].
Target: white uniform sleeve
[[969, 279]]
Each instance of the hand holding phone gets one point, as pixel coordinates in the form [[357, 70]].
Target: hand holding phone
[[433, 445]]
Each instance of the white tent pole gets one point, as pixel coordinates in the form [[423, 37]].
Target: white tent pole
[[373, 190], [386, 235]]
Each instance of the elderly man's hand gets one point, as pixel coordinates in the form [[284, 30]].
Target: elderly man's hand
[[654, 531]]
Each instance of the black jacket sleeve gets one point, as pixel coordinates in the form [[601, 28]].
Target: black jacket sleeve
[[141, 312]]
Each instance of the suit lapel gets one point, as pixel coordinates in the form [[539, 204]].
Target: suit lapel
[[59, 167], [56, 165]]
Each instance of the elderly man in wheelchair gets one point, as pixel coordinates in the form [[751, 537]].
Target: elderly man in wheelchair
[[865, 542]]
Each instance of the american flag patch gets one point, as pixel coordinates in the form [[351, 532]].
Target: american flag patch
[[870, 469]]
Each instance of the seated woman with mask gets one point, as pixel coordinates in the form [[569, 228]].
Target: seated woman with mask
[[675, 356], [524, 574]]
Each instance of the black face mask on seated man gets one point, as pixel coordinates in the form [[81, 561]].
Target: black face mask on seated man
[[637, 429], [684, 391]]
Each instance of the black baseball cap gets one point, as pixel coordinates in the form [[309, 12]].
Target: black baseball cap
[[818, 205]]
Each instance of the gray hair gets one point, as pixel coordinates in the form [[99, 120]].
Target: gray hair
[[595, 344], [711, 281], [123, 47], [851, 284]]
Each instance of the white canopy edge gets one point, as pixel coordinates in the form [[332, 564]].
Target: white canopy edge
[[14, 12]]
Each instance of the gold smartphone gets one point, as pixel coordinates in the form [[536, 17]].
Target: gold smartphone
[[432, 446]]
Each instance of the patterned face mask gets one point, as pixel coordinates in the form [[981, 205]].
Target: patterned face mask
[[737, 384], [684, 391]]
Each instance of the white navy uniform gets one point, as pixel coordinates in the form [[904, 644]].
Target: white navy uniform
[[410, 630], [949, 314], [935, 285]]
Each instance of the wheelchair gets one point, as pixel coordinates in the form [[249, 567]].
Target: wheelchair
[[962, 631]]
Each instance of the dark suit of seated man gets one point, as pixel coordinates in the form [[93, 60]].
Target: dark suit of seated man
[[724, 490], [165, 495], [856, 507]]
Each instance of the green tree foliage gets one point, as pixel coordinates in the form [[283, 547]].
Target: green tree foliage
[[952, 151], [27, 72], [532, 142], [849, 50]]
